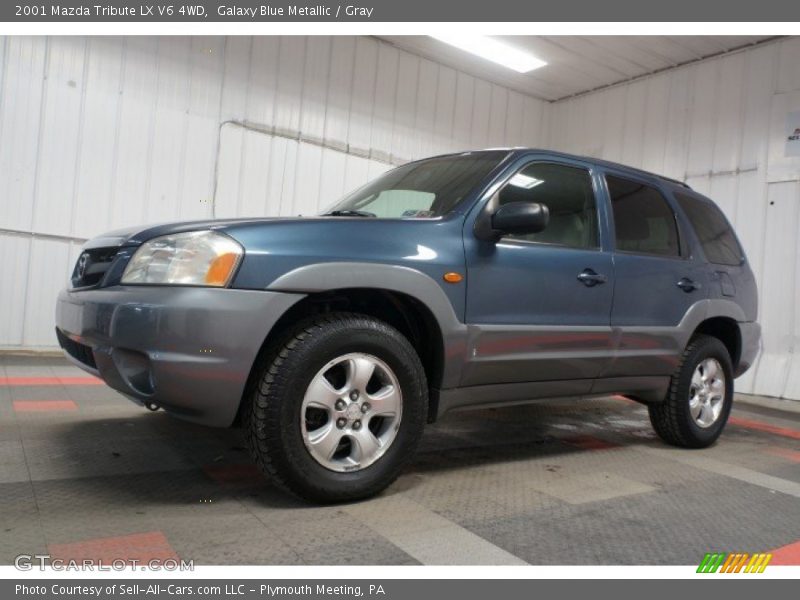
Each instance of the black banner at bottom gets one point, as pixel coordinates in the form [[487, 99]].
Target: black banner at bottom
[[393, 589]]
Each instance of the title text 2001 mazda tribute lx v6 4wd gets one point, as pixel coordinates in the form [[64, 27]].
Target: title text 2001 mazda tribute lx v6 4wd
[[470, 279]]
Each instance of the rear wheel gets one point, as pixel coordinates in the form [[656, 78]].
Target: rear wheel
[[700, 396], [339, 408]]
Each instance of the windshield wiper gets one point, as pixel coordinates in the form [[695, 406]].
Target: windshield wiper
[[350, 213]]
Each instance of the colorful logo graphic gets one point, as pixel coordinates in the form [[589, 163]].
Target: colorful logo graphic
[[734, 562]]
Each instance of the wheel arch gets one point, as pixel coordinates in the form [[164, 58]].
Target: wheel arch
[[726, 330], [407, 299]]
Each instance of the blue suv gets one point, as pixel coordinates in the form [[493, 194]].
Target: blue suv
[[464, 280]]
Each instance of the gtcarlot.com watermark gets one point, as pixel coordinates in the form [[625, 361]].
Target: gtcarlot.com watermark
[[29, 562]]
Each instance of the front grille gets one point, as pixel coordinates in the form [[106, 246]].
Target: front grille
[[78, 351], [92, 266]]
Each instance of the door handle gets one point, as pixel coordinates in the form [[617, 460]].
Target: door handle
[[687, 285], [590, 279]]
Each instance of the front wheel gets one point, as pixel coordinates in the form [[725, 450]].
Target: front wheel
[[700, 396], [338, 409]]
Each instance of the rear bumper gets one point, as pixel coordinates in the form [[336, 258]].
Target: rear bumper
[[751, 345], [190, 350]]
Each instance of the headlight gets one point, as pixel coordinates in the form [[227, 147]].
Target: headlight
[[193, 258]]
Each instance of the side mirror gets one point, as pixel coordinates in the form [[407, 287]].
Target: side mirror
[[520, 218]]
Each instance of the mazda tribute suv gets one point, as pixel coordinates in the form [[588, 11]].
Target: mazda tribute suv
[[465, 280]]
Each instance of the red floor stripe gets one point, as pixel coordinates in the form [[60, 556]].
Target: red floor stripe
[[621, 398], [589, 442], [31, 381], [765, 427], [786, 555], [44, 405], [232, 473], [792, 455], [142, 547]]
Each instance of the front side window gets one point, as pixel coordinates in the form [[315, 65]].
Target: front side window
[[716, 237], [643, 221], [423, 189], [568, 194]]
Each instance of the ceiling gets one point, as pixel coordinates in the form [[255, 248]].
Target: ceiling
[[578, 64]]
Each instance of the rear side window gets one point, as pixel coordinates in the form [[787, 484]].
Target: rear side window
[[643, 220], [716, 237]]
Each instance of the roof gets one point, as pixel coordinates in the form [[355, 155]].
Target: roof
[[589, 159]]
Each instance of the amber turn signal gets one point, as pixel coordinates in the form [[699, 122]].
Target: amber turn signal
[[220, 270], [452, 277]]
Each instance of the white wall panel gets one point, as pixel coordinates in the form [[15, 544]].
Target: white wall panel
[[498, 109], [778, 288], [788, 77], [202, 121], [104, 132], [425, 113], [515, 117], [383, 107], [291, 63], [20, 123], [633, 125], [462, 111], [709, 124], [332, 179], [315, 88], [95, 164], [444, 115], [61, 123], [405, 106], [340, 89], [356, 171], [170, 129], [655, 103], [134, 135], [365, 72], [676, 137], [481, 111], [14, 253], [536, 124], [728, 109], [49, 265]]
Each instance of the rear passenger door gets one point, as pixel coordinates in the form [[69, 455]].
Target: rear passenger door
[[656, 280]]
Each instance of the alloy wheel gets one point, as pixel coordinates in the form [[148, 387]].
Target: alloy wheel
[[351, 412]]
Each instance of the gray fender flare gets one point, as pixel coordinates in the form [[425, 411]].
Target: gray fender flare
[[323, 277], [708, 309], [703, 310]]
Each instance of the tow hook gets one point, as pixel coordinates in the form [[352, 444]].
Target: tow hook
[[151, 406]]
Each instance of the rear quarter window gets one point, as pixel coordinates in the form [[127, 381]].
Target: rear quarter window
[[643, 220], [715, 234]]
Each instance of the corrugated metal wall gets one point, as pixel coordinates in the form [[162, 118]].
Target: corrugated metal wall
[[98, 133], [711, 124]]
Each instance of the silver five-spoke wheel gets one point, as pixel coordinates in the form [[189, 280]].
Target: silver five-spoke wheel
[[707, 392], [351, 412]]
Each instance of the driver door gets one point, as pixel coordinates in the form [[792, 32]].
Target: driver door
[[539, 305]]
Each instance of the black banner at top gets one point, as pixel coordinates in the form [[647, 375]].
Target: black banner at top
[[72, 11]]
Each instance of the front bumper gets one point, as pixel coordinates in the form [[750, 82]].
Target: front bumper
[[188, 349], [751, 345]]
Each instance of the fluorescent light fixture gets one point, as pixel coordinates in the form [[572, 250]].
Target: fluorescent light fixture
[[525, 181], [493, 50]]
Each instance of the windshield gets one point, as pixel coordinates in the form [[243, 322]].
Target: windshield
[[423, 189]]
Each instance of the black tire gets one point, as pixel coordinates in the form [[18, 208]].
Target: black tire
[[671, 418], [271, 420]]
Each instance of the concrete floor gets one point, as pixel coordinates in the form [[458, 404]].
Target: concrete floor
[[85, 473]]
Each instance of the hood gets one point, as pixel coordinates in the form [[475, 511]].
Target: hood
[[135, 236]]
